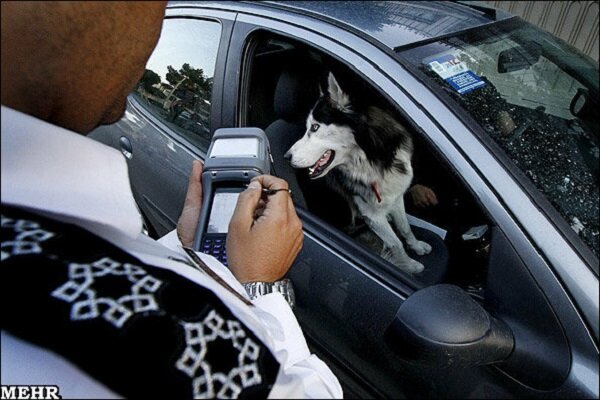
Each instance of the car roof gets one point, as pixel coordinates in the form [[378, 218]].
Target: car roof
[[399, 23], [392, 24]]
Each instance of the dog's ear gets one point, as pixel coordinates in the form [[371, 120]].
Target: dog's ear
[[337, 95]]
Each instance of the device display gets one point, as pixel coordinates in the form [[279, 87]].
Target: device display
[[221, 211], [222, 208]]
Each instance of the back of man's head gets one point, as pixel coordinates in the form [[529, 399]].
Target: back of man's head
[[73, 63]]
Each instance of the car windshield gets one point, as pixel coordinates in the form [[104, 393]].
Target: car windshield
[[537, 97]]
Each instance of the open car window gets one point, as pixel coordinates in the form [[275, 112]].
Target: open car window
[[537, 98], [284, 77]]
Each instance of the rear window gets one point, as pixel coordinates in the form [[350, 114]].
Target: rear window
[[538, 99], [178, 81]]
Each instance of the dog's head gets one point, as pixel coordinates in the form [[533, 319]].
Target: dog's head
[[329, 137]]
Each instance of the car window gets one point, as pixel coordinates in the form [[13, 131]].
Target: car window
[[284, 81], [178, 80], [537, 98]]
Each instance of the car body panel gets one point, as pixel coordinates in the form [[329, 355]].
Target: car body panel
[[570, 266], [495, 188]]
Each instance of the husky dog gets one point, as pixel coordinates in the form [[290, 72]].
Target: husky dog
[[366, 157]]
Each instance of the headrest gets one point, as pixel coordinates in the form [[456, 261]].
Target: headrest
[[295, 93]]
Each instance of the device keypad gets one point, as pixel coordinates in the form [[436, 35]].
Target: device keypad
[[216, 248]]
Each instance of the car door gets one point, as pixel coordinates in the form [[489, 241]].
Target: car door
[[348, 298], [172, 112]]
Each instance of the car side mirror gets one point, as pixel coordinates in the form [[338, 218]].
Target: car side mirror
[[519, 57], [442, 326], [581, 106]]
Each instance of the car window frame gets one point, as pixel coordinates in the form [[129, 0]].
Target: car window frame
[[226, 22], [334, 239]]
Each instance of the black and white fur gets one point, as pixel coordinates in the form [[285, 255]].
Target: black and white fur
[[363, 155]]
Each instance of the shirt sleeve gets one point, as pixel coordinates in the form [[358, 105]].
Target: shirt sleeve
[[302, 374]]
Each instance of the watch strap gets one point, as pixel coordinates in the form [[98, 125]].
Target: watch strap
[[284, 286]]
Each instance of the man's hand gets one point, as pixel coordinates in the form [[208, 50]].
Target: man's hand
[[423, 196], [265, 234], [188, 220]]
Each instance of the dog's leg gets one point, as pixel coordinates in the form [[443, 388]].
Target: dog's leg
[[354, 213], [382, 228], [401, 223]]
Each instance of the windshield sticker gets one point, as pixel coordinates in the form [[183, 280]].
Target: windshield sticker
[[455, 73]]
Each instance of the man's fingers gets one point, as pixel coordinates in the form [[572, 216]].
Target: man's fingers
[[278, 202], [271, 182], [291, 207], [243, 215], [431, 197]]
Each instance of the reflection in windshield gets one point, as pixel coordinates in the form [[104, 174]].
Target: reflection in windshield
[[536, 97]]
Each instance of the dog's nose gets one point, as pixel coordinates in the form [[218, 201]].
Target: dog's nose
[[288, 155]]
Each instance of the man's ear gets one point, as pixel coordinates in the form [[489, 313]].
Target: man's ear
[[337, 95]]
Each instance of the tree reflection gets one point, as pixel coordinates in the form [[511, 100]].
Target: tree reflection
[[183, 99]]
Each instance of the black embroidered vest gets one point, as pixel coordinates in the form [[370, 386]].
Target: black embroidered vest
[[140, 330]]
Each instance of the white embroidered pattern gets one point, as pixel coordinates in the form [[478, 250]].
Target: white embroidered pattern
[[87, 304], [218, 384], [28, 238]]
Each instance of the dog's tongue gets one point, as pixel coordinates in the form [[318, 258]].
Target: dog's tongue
[[320, 162], [324, 159]]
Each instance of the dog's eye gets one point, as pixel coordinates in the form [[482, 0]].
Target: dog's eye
[[314, 127]]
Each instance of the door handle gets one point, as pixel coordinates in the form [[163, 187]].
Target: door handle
[[126, 148]]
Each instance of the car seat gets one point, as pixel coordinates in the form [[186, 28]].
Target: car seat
[[295, 93]]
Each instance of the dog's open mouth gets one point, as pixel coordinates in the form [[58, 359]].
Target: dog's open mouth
[[321, 165]]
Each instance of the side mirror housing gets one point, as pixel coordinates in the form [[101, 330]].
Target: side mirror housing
[[442, 326]]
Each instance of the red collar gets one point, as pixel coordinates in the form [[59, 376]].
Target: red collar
[[374, 188]]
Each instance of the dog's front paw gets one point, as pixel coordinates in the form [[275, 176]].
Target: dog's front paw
[[412, 267], [403, 262], [421, 248]]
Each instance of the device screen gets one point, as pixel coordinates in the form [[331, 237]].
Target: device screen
[[221, 212]]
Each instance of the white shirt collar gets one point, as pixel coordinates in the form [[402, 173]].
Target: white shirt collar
[[57, 171]]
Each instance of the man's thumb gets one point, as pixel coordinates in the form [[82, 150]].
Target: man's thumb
[[193, 197]]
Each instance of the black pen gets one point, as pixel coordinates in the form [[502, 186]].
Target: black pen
[[269, 192]]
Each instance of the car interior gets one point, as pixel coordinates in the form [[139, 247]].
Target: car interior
[[283, 78]]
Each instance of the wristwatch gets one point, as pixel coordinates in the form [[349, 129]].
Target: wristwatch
[[284, 286]]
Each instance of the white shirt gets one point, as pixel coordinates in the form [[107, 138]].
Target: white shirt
[[71, 178]]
